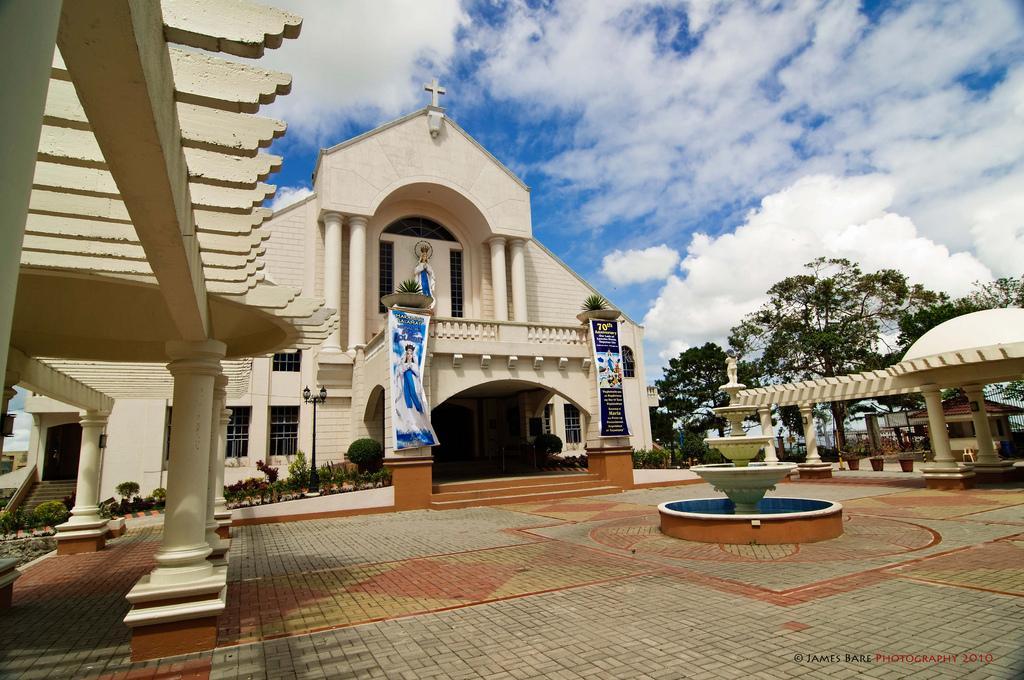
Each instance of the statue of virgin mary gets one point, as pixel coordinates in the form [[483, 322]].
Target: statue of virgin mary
[[423, 272]]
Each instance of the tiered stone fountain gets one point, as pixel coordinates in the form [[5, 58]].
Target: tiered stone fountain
[[745, 516]]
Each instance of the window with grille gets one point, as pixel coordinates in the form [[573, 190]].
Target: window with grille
[[573, 433], [284, 430], [288, 362], [420, 227], [455, 259], [628, 363], [386, 275], [547, 418], [238, 432]]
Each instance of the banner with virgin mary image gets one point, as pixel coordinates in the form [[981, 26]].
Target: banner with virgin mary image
[[410, 413], [608, 362]]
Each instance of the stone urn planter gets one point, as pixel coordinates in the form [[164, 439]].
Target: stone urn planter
[[877, 463], [407, 300], [600, 314]]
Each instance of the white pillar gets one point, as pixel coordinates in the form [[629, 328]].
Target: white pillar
[[182, 555], [937, 432], [498, 278], [332, 273], [10, 380], [28, 32], [220, 505], [982, 430], [770, 455], [810, 436], [220, 397], [517, 249], [87, 491], [356, 282]]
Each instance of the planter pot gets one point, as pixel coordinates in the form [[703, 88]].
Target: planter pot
[[907, 464], [407, 300], [877, 464], [601, 314], [854, 463]]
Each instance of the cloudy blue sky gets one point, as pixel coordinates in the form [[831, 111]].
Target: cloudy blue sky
[[684, 156]]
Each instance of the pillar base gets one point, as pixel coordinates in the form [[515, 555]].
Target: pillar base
[[8, 575], [219, 556], [611, 463], [173, 619], [223, 518], [993, 473], [413, 481], [82, 537], [815, 470]]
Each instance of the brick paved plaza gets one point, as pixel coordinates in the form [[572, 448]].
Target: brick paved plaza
[[577, 588]]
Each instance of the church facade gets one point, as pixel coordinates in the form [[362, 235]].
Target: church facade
[[507, 358]]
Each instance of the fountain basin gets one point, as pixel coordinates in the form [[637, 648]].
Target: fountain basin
[[746, 485], [778, 520]]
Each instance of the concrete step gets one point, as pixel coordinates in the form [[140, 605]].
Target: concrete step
[[48, 491], [519, 489], [506, 482], [539, 497]]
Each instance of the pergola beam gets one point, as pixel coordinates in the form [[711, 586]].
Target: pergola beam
[[122, 41]]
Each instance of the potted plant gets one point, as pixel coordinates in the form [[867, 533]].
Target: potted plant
[[906, 462], [877, 462], [852, 458], [596, 307], [408, 294]]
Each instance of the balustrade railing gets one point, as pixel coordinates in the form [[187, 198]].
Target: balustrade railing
[[444, 328]]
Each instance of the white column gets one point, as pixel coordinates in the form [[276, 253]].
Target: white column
[[87, 491], [182, 555], [332, 273], [810, 435], [770, 455], [937, 432], [517, 249], [220, 397], [28, 31], [10, 380], [498, 278], [982, 430], [220, 505], [356, 282]]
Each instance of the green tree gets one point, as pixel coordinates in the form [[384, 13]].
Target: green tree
[[689, 389], [833, 320]]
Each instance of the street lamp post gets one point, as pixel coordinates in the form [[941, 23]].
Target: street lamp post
[[314, 399]]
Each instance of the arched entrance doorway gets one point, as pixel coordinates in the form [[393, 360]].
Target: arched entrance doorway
[[63, 446], [489, 429]]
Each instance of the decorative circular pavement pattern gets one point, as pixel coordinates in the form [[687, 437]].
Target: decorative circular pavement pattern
[[864, 537]]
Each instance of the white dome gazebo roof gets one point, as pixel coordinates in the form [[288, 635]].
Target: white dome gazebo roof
[[977, 329]]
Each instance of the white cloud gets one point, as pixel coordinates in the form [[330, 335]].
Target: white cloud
[[727, 276], [285, 196], [22, 429], [635, 266], [757, 98], [360, 60]]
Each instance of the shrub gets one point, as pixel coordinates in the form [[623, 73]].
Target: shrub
[[548, 443], [366, 453], [13, 520], [159, 494], [409, 286], [298, 472], [270, 472], [593, 303], [69, 501], [649, 459], [127, 489], [49, 514]]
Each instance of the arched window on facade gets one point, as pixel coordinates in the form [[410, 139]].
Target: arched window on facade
[[425, 228], [628, 363]]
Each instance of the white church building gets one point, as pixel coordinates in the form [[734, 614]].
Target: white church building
[[507, 356]]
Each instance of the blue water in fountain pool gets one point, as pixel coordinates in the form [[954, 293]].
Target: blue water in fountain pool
[[767, 506]]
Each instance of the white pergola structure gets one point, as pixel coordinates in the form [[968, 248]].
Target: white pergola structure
[[133, 164], [969, 351]]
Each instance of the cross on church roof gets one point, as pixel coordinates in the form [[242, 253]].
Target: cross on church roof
[[434, 89]]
